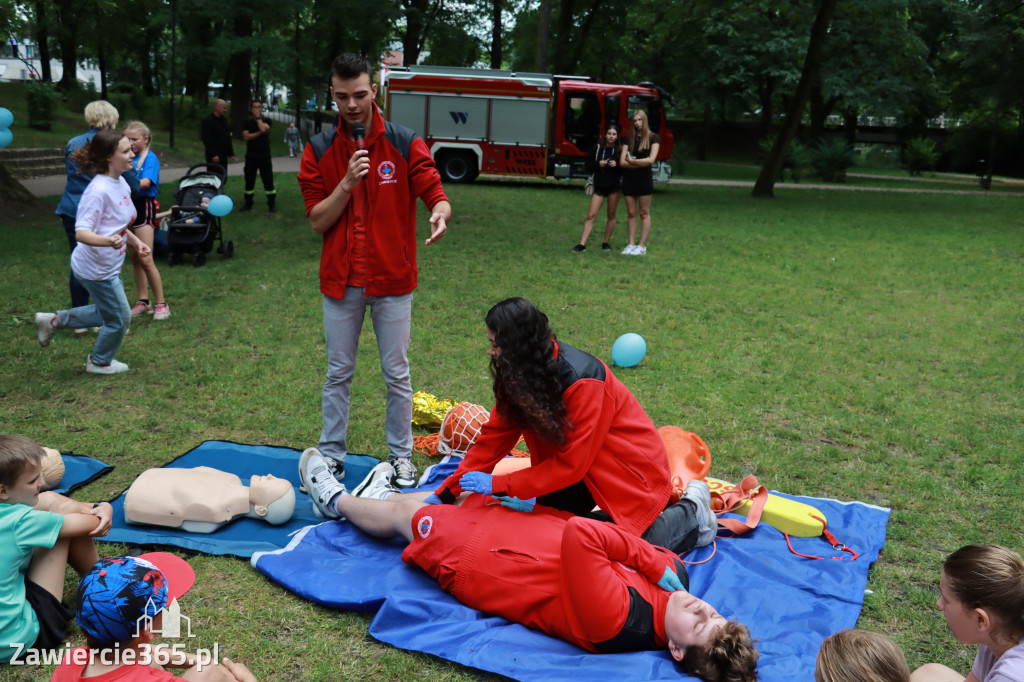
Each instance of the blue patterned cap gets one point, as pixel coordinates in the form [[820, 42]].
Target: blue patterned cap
[[119, 593]]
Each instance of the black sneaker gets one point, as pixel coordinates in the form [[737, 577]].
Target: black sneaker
[[605, 246], [579, 248]]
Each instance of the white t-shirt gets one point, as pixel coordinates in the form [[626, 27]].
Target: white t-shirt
[[1009, 667], [106, 209]]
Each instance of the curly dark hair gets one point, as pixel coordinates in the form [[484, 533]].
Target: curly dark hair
[[729, 656], [526, 387]]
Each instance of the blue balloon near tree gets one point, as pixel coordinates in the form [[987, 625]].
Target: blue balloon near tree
[[6, 118], [220, 205], [628, 350], [6, 137]]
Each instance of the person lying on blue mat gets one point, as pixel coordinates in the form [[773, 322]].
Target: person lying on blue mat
[[588, 582]]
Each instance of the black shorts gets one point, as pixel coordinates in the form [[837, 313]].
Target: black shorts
[[638, 182], [52, 615], [607, 190], [145, 209]]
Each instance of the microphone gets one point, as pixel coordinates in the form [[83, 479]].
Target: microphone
[[358, 133]]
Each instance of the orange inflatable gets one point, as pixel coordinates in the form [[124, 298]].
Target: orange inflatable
[[688, 458]]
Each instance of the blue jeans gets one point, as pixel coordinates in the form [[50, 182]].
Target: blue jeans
[[79, 295], [343, 321], [110, 311]]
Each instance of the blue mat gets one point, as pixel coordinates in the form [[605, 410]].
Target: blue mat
[[80, 470], [790, 603], [244, 536]]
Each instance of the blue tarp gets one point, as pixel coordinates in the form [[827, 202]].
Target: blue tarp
[[80, 470], [790, 603], [243, 536]]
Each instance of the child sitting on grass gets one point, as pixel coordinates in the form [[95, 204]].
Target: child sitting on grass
[[40, 535], [121, 604]]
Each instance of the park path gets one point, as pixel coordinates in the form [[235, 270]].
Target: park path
[[53, 185]]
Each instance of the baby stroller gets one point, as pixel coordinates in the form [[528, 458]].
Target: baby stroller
[[191, 228]]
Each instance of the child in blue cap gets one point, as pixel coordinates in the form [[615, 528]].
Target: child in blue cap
[[122, 604]]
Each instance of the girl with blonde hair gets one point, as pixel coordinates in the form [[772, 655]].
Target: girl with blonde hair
[[147, 167], [860, 656], [638, 155]]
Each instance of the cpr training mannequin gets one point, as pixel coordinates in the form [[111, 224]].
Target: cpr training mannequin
[[202, 500]]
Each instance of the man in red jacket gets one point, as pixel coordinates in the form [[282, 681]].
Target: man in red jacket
[[360, 194], [591, 583]]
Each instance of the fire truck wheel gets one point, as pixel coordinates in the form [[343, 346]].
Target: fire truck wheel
[[457, 166]]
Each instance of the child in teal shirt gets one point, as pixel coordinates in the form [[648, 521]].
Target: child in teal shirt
[[32, 582]]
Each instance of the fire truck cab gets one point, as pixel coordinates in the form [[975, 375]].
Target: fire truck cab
[[515, 123]]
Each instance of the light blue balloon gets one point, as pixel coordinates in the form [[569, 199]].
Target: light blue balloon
[[628, 350], [6, 136], [221, 205], [6, 118]]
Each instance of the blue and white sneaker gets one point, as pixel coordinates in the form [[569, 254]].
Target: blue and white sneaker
[[707, 523], [319, 483]]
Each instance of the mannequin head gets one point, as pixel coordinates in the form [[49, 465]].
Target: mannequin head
[[271, 499]]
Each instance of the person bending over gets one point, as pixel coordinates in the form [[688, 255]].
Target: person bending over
[[590, 583], [860, 656], [590, 442]]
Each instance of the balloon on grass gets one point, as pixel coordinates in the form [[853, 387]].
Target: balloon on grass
[[220, 205], [6, 136], [6, 118], [628, 350]]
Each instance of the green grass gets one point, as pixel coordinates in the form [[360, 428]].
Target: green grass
[[861, 346]]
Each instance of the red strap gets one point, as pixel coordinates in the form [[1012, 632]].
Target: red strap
[[730, 500], [831, 540]]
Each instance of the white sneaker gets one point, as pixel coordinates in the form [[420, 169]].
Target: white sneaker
[[115, 367], [45, 328], [405, 473], [628, 251], [640, 251], [319, 483], [377, 484], [707, 523]]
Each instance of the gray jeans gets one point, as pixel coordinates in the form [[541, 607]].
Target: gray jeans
[[343, 321]]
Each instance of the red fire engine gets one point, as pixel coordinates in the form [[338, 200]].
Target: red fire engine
[[514, 123]]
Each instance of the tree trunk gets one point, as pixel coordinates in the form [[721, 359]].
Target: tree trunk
[[765, 185], [496, 34], [544, 33], [239, 73], [43, 41], [68, 41], [12, 192]]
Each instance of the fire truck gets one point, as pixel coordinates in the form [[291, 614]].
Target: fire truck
[[514, 123]]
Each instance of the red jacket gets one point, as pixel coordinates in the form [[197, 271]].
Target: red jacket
[[571, 577], [613, 448], [383, 205]]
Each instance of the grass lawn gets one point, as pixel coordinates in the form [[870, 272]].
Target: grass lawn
[[860, 346]]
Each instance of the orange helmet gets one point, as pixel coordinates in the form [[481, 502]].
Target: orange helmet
[[460, 427]]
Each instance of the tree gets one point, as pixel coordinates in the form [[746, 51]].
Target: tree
[[765, 184]]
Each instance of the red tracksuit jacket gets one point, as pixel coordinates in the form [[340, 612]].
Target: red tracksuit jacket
[[584, 581], [383, 205], [613, 448]]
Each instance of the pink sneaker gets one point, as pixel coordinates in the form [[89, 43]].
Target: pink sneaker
[[161, 312], [141, 307]]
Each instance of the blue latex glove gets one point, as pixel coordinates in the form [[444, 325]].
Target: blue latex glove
[[476, 482], [432, 499], [516, 503], [670, 581]]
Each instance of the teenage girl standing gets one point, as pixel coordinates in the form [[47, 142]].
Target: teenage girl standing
[[147, 165], [638, 155]]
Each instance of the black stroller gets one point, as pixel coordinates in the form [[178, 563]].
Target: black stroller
[[191, 228]]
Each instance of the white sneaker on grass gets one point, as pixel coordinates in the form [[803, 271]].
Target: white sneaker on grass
[[640, 251], [405, 473], [377, 484], [319, 483], [45, 328], [629, 250], [115, 367], [707, 523]]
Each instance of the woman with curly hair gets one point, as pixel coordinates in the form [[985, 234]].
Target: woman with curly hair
[[591, 444]]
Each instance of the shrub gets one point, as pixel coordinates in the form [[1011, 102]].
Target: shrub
[[831, 159], [920, 155], [796, 162], [41, 98]]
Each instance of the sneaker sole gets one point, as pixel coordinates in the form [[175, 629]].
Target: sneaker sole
[[384, 467], [307, 485]]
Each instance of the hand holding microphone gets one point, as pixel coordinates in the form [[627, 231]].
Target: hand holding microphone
[[359, 164]]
